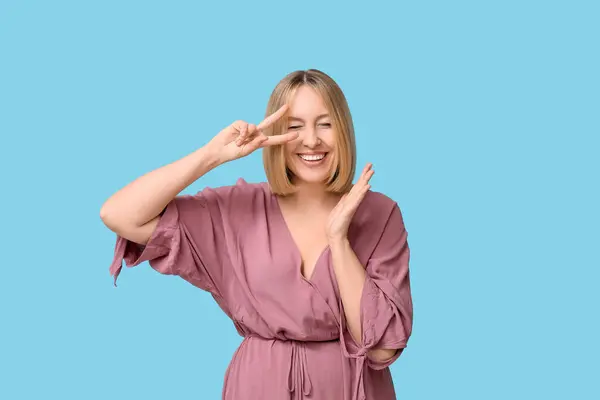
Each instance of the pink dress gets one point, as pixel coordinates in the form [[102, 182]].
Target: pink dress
[[233, 242]]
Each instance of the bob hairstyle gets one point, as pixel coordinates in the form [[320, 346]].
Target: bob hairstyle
[[278, 174]]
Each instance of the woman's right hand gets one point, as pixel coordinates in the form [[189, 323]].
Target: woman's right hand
[[241, 138]]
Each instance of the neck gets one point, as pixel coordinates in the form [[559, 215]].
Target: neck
[[312, 195]]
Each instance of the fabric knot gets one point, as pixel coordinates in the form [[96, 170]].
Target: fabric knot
[[361, 353], [298, 377]]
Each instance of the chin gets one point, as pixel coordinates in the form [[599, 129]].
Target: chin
[[320, 175], [310, 178]]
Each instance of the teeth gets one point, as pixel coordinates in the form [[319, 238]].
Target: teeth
[[312, 157]]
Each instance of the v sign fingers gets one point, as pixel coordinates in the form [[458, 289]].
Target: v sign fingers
[[271, 119], [241, 138], [273, 140]]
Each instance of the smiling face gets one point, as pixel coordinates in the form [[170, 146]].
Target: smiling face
[[310, 156]]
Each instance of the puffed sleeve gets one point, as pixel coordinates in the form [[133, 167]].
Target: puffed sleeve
[[386, 303], [190, 239]]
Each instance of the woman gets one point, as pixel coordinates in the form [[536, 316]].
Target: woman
[[312, 270]]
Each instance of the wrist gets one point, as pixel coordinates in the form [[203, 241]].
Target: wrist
[[336, 242], [211, 157], [204, 160]]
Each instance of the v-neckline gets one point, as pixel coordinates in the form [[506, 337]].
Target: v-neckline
[[294, 245]]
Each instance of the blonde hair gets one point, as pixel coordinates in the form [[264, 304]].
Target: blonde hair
[[344, 163]]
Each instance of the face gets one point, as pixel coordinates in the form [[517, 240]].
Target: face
[[311, 155]]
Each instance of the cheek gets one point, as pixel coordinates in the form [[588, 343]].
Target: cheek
[[329, 137], [290, 149], [290, 152]]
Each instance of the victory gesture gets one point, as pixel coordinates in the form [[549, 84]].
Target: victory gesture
[[241, 138]]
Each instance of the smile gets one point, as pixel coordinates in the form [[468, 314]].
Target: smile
[[313, 157]]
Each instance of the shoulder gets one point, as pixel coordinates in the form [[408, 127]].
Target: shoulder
[[238, 191], [235, 202], [379, 206], [376, 218], [241, 196], [375, 212]]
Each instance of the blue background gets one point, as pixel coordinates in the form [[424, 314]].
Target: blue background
[[481, 119]]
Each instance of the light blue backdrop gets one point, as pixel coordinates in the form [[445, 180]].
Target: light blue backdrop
[[481, 119]]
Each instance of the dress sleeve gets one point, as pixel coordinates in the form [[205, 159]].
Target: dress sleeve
[[386, 303], [189, 240]]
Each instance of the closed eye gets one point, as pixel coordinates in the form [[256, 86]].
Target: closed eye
[[298, 126]]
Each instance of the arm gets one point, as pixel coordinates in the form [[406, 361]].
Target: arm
[[351, 275], [133, 211], [375, 298], [149, 217]]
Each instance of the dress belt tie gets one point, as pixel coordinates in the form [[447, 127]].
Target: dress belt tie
[[298, 377], [358, 392]]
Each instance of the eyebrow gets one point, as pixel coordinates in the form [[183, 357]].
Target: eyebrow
[[300, 119]]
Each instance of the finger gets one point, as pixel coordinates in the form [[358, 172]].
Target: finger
[[273, 117], [256, 142], [361, 195], [250, 134], [366, 174], [243, 128], [252, 131], [355, 200], [280, 139], [237, 126], [366, 169], [362, 185]]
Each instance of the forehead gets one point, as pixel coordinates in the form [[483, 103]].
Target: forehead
[[306, 103]]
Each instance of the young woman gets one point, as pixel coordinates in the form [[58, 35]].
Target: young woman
[[312, 269]]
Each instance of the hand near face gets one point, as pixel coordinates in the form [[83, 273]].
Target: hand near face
[[241, 138], [342, 213]]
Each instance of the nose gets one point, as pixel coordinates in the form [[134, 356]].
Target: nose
[[310, 138]]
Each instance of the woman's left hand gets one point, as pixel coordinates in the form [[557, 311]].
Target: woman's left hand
[[341, 215]]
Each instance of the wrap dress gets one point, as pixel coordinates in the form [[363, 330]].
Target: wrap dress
[[233, 242]]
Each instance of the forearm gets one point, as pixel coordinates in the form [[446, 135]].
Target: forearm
[[351, 275], [144, 198]]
